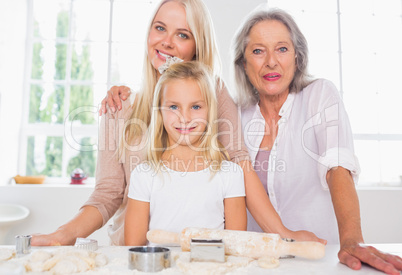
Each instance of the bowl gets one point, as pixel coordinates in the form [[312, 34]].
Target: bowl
[[149, 258]]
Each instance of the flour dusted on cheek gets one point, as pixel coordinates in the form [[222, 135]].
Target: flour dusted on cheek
[[169, 61]]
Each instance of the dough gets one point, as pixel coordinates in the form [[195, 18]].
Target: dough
[[231, 263], [65, 266], [40, 256], [65, 261], [100, 260], [268, 262], [6, 254]]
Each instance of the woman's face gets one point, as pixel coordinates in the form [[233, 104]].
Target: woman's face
[[270, 61], [170, 35]]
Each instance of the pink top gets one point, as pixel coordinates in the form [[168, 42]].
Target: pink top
[[113, 174], [261, 166]]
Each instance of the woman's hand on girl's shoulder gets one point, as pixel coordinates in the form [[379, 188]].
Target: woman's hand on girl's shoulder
[[113, 98]]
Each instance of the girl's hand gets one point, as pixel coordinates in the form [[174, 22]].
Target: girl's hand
[[303, 235], [113, 98]]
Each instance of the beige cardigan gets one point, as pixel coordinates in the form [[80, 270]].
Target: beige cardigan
[[113, 174]]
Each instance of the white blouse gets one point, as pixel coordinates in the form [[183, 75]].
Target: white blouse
[[314, 135]]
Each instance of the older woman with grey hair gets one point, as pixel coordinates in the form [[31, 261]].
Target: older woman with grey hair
[[299, 138]]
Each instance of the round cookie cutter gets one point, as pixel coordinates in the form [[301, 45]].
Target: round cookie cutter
[[149, 258]]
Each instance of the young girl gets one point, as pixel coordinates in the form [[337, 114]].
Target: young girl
[[187, 180]]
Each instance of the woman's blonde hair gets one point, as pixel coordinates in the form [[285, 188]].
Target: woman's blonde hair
[[201, 26], [212, 151]]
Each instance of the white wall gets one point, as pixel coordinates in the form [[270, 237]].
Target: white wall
[[52, 206], [12, 54]]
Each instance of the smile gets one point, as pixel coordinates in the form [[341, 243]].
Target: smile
[[166, 56], [185, 130], [272, 76]]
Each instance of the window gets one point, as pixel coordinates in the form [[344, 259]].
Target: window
[[76, 50], [356, 44]]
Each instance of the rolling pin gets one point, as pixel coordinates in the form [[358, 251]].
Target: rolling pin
[[241, 243]]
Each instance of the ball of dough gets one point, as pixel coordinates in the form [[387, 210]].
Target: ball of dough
[[268, 262]]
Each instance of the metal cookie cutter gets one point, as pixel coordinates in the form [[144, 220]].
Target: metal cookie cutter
[[207, 250], [23, 244], [149, 258], [86, 244], [287, 256]]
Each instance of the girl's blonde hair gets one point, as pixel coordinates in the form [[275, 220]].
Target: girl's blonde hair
[[212, 151], [201, 26]]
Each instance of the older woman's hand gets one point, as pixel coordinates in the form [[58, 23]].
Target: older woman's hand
[[113, 98], [354, 254]]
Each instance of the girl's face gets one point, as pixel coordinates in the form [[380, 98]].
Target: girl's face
[[170, 35], [270, 58], [184, 112]]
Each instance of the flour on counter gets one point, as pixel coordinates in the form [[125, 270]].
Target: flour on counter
[[6, 254]]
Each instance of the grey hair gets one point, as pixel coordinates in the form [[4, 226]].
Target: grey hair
[[246, 93]]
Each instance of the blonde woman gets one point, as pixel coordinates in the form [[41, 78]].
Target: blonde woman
[[187, 180], [181, 29]]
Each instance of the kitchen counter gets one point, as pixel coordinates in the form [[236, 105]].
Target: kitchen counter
[[118, 263]]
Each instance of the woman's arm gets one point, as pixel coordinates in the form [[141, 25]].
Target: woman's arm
[[136, 223], [346, 205], [108, 194], [235, 213], [82, 225]]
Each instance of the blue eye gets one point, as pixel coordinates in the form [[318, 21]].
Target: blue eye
[[196, 107], [160, 28], [283, 49], [257, 51], [173, 107], [184, 36]]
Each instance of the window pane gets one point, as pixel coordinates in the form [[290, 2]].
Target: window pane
[[60, 64], [367, 152], [82, 97], [44, 155], [391, 163], [131, 20], [84, 157], [49, 16], [364, 116], [127, 63], [91, 20], [46, 103], [89, 62], [313, 5]]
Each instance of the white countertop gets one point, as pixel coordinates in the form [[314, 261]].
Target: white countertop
[[118, 263]]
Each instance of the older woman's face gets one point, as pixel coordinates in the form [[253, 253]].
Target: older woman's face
[[170, 35], [270, 62]]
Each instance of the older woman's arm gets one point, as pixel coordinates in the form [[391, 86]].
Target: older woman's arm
[[346, 205]]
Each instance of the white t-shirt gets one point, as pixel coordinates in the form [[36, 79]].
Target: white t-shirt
[[314, 135], [186, 199]]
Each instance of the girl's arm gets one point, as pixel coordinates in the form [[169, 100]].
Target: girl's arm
[[235, 213], [136, 223], [262, 210]]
